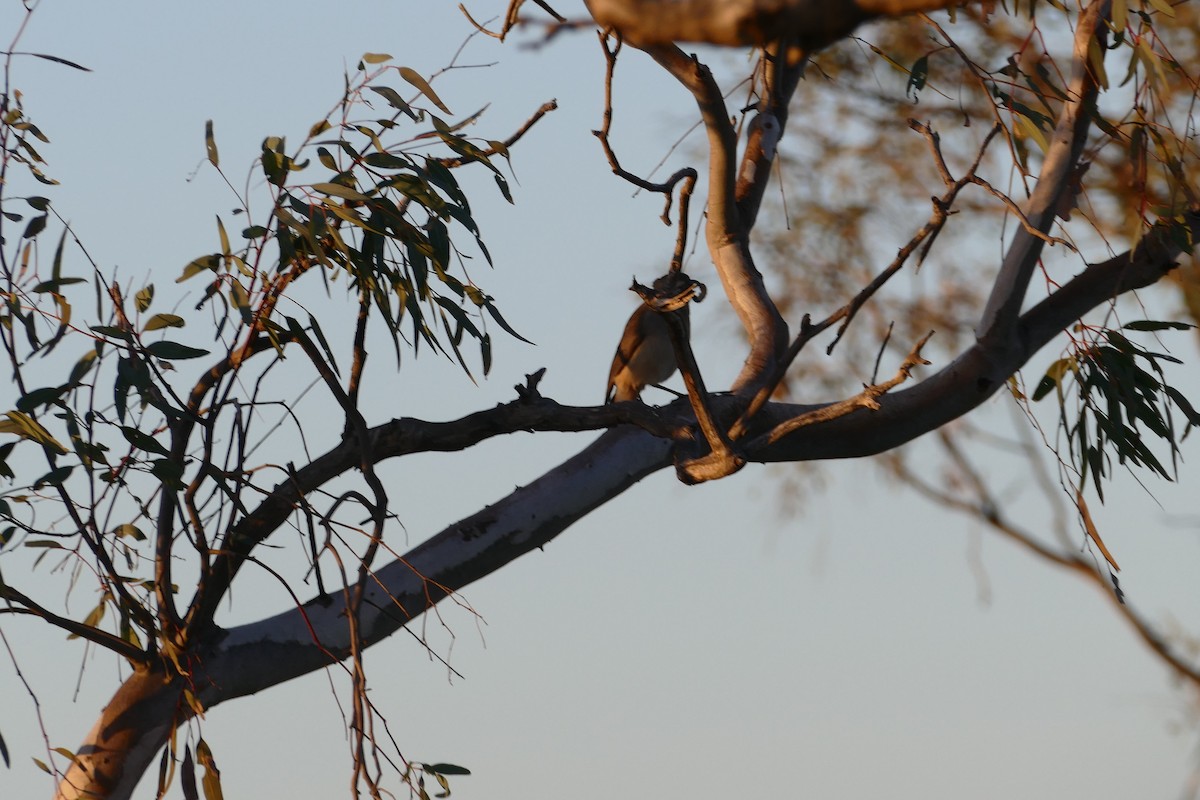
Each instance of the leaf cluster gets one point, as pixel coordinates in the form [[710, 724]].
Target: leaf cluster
[[1123, 401]]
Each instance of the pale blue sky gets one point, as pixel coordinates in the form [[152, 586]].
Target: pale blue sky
[[679, 642]]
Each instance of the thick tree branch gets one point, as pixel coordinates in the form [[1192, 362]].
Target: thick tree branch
[[253, 657], [811, 24], [978, 372], [726, 233], [1070, 135], [781, 70]]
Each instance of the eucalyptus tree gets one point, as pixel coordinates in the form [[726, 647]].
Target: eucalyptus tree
[[138, 467]]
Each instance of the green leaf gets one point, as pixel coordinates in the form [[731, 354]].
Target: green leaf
[[92, 620], [423, 87], [338, 190], [387, 161], [54, 477], [917, 77], [27, 427], [316, 328], [38, 203], [187, 776], [34, 227], [446, 769], [1183, 404], [1156, 325], [495, 312], [169, 471], [129, 530], [173, 351], [210, 144], [143, 441], [40, 397], [59, 60], [212, 775], [111, 331], [144, 297], [160, 321], [394, 99], [196, 266], [82, 367], [504, 190], [1053, 378]]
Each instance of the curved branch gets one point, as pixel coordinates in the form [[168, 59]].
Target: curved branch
[[727, 233], [119, 646], [976, 374], [401, 437], [1070, 134], [253, 657]]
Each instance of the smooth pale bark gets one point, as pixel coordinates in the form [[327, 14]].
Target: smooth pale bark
[[228, 664]]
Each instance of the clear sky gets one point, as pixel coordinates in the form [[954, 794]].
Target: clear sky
[[679, 642]]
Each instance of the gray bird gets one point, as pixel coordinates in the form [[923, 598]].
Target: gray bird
[[644, 356]]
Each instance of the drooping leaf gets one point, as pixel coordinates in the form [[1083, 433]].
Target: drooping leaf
[[503, 323], [447, 769], [92, 620], [160, 321], [55, 477], [1157, 325], [210, 144], [173, 351], [917, 77], [144, 297], [187, 776], [58, 60], [130, 531], [423, 86], [27, 427], [212, 775], [394, 99], [196, 266], [33, 400], [143, 441]]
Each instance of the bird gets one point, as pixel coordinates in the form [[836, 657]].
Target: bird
[[645, 355]]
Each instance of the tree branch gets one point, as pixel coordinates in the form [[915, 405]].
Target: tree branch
[[726, 233], [119, 646], [1070, 135], [811, 24]]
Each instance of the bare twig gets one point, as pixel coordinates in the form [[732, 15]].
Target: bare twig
[[543, 110], [983, 506], [867, 398], [687, 175]]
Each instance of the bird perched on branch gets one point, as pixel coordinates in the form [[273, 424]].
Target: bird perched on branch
[[645, 355]]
